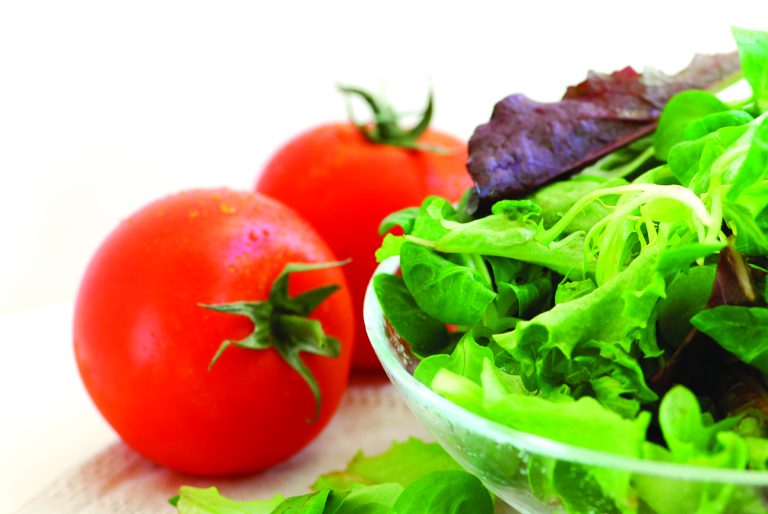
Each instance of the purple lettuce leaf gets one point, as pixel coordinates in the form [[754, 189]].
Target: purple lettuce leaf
[[527, 144]]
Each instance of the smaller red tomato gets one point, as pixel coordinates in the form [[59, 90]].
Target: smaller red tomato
[[144, 344], [346, 179]]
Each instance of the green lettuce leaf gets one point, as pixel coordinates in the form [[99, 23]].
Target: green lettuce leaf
[[682, 109], [436, 282], [743, 331], [194, 500], [555, 199], [425, 334], [449, 492], [610, 322], [687, 294], [402, 464], [693, 438], [470, 378], [753, 54], [394, 481]]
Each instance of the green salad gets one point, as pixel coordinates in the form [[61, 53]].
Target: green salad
[[608, 293]]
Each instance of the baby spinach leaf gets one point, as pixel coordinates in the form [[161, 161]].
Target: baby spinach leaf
[[403, 218], [372, 499], [436, 283], [753, 53], [447, 492], [755, 166], [687, 294], [678, 113], [743, 331], [424, 334], [751, 237], [691, 161], [702, 126]]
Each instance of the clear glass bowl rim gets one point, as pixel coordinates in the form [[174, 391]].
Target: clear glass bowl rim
[[375, 327]]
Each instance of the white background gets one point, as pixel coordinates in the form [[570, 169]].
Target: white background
[[105, 106]]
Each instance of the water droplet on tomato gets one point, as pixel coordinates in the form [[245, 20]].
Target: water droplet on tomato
[[226, 208]]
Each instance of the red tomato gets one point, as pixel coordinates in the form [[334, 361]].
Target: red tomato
[[144, 344], [344, 185]]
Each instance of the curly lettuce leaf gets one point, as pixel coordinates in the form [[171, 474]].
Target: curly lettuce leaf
[[470, 378], [618, 312]]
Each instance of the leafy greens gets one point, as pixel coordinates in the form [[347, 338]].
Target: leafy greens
[[612, 293]]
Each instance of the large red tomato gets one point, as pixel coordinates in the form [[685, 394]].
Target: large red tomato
[[144, 343], [344, 184]]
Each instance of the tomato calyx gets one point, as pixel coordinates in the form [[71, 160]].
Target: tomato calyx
[[281, 322], [386, 127]]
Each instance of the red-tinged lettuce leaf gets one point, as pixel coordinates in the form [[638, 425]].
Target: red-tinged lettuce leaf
[[527, 144]]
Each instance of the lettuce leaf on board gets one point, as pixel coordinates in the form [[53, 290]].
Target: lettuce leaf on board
[[403, 463], [527, 144], [401, 480], [194, 500]]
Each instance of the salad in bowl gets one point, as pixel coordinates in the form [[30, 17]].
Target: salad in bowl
[[587, 330]]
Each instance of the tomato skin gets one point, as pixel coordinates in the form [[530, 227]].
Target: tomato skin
[[143, 344], [345, 185]]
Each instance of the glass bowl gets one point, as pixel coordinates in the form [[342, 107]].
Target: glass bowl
[[519, 467]]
